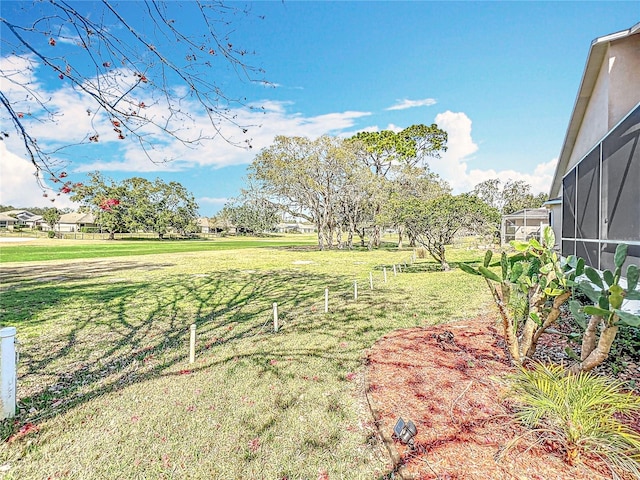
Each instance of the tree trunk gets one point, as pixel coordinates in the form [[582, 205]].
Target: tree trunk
[[400, 229]]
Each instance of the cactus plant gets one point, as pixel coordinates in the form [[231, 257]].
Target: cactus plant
[[604, 317], [542, 277]]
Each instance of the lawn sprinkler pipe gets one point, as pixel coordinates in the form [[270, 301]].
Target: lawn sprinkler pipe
[[192, 344], [394, 270], [8, 371], [275, 317], [355, 290], [384, 271]]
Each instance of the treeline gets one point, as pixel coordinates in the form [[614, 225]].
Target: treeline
[[137, 204], [353, 188]]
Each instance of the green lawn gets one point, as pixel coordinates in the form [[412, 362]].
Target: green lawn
[[54, 249], [105, 378]]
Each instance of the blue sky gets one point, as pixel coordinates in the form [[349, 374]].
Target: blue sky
[[500, 77]]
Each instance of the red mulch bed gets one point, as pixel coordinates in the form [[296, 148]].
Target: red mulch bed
[[443, 379]]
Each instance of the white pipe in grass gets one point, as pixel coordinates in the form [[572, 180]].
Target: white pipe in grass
[[371, 280], [276, 326], [384, 271], [355, 290], [8, 371], [192, 344]]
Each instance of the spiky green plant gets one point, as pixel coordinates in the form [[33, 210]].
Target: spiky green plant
[[581, 412]]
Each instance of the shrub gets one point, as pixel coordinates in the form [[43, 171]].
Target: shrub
[[580, 412], [51, 234]]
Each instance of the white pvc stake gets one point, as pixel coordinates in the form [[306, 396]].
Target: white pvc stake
[[400, 268], [384, 271], [8, 371], [275, 317], [192, 344], [394, 270], [355, 290], [326, 300], [371, 280]]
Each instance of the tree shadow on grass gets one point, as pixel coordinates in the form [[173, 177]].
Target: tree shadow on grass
[[109, 334]]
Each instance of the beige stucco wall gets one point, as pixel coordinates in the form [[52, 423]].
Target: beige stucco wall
[[624, 78], [616, 92]]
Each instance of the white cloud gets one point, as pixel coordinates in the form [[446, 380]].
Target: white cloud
[[19, 186], [453, 167], [230, 147], [213, 200], [406, 103]]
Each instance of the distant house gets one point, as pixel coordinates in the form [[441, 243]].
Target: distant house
[[7, 221], [295, 227], [523, 225], [203, 225], [24, 218], [595, 194], [75, 222]]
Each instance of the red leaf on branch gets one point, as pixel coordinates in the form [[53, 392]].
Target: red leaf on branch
[[52, 42]]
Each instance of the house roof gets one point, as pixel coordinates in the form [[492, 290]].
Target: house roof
[[77, 218], [595, 58], [202, 222], [7, 218]]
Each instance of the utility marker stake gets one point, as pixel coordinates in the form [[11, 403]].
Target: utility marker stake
[[384, 271], [399, 268], [192, 344], [355, 290], [394, 270], [275, 317], [371, 280], [326, 300]]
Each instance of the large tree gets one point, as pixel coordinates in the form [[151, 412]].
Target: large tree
[[385, 150], [435, 223], [511, 197], [408, 185], [307, 179], [251, 214], [146, 71]]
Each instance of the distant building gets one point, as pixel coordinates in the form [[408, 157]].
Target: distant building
[[75, 222], [595, 194], [24, 218], [523, 225]]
